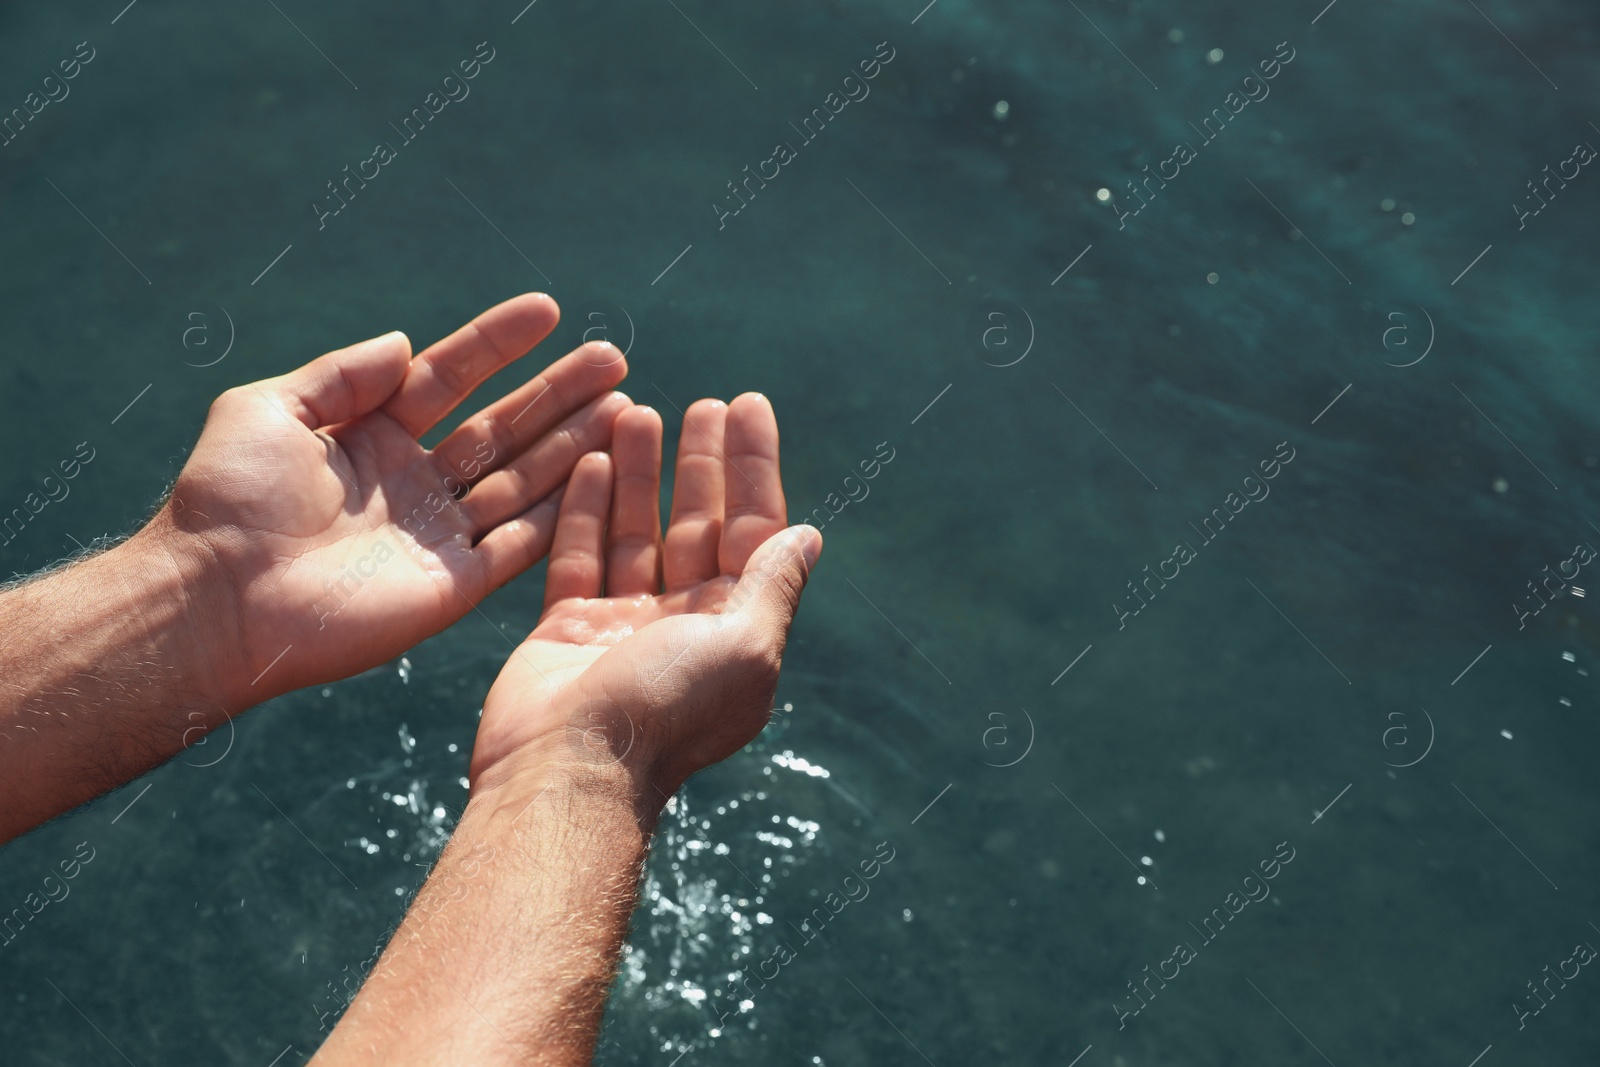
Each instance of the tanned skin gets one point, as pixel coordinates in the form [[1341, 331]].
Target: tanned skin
[[311, 537]]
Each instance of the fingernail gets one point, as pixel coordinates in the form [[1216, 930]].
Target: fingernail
[[811, 549]]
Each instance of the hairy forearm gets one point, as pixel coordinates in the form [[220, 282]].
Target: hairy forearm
[[107, 668], [508, 952]]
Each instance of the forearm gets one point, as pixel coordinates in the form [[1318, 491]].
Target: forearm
[[510, 948], [107, 668]]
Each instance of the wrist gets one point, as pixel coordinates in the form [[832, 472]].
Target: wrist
[[110, 668], [521, 922], [564, 767], [176, 584]]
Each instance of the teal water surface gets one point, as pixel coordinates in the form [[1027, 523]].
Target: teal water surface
[[1188, 676]]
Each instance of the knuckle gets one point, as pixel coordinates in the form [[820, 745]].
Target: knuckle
[[492, 433], [454, 378], [760, 648], [228, 401]]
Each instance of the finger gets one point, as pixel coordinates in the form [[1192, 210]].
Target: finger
[[346, 382], [513, 547], [575, 555], [633, 554], [443, 375], [774, 577], [695, 529], [533, 474], [754, 508], [506, 428]]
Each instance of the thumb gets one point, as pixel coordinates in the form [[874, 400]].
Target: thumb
[[769, 589], [346, 382]]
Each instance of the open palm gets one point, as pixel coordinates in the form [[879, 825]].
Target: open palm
[[343, 542], [665, 648]]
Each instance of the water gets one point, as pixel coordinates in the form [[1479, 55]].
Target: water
[[1068, 789]]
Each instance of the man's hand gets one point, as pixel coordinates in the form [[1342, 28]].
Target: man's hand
[[336, 540], [653, 659], [661, 655], [309, 537]]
